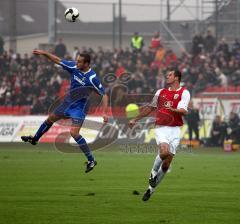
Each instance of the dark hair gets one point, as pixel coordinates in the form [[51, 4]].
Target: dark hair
[[87, 58], [178, 74]]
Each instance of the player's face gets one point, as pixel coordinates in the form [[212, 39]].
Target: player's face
[[170, 79], [81, 65]]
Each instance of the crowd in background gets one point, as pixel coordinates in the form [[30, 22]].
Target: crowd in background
[[35, 81], [30, 80], [212, 64], [222, 130]]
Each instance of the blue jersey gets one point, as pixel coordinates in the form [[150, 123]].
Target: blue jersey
[[75, 103], [82, 79]]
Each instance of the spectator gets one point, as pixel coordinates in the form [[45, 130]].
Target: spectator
[[235, 46], [60, 49], [209, 42], [223, 48], [159, 56], [200, 83], [234, 127], [197, 44], [237, 56], [170, 59], [218, 132], [221, 77], [156, 41], [75, 52], [137, 42], [2, 94], [193, 120], [235, 77], [120, 70]]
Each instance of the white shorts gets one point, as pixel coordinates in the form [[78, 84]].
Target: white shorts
[[169, 135]]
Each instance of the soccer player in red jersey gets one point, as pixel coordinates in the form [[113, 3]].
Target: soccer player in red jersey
[[171, 104]]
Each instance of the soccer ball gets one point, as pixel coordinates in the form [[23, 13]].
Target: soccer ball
[[71, 14]]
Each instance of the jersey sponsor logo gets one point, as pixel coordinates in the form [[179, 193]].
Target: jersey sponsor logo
[[168, 104], [81, 81], [175, 96]]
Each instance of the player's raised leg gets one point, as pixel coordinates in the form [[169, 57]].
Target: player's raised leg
[[44, 127], [75, 129], [157, 176], [166, 158]]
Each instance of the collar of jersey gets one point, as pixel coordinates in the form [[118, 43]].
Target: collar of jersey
[[86, 71], [176, 89]]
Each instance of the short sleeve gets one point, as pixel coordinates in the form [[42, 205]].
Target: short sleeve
[[155, 99], [183, 104], [97, 84], [68, 65]]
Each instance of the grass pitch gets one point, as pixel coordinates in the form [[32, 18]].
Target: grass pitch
[[40, 185]]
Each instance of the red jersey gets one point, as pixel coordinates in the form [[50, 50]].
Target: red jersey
[[155, 42], [168, 98]]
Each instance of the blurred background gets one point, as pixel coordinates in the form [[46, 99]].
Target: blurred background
[[144, 39]]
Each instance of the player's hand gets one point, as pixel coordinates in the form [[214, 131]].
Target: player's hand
[[38, 52], [105, 118], [131, 123]]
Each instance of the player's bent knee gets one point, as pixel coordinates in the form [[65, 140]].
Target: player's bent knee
[[165, 166], [164, 155], [74, 134], [164, 152], [49, 121], [52, 118]]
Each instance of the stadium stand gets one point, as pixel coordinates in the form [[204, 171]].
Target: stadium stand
[[35, 82]]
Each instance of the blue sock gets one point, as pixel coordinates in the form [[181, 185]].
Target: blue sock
[[42, 129], [84, 147]]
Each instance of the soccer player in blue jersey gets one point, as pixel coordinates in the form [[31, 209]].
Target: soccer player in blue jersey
[[75, 104]]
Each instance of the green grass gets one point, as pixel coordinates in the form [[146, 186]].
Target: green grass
[[42, 185]]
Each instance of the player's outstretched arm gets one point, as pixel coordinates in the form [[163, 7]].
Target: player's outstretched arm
[[50, 56], [144, 111]]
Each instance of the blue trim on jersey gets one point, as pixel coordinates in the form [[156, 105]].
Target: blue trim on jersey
[[68, 65], [97, 84]]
